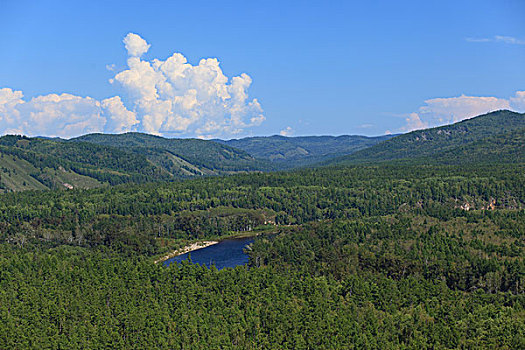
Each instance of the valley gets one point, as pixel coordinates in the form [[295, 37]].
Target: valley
[[414, 242]]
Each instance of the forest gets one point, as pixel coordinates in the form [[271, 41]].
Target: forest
[[365, 257], [415, 242]]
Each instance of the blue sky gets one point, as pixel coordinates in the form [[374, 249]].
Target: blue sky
[[326, 67]]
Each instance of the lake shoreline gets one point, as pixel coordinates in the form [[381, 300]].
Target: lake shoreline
[[189, 248], [204, 244]]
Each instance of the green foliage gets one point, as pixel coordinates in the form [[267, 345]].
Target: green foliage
[[208, 156], [468, 141], [290, 152], [52, 163], [468, 252], [159, 210], [76, 298], [397, 255]]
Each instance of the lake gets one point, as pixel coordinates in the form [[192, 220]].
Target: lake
[[226, 253]]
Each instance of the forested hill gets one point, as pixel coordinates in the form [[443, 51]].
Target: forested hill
[[38, 163], [35, 163], [287, 152], [196, 157], [497, 136], [100, 159]]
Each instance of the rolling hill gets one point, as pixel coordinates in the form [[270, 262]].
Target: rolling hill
[[100, 159], [496, 136], [36, 163], [289, 152], [181, 156], [97, 159]]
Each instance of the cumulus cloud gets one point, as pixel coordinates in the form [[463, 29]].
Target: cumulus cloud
[[61, 115], [176, 97], [135, 45], [518, 102], [440, 111], [9, 101], [414, 122], [455, 109], [165, 97], [119, 119], [52, 115]]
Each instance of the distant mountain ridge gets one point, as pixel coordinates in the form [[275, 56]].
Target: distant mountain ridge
[[108, 159], [289, 152], [100, 159], [496, 136], [42, 163], [186, 157], [35, 163]]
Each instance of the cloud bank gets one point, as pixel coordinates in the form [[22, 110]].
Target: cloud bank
[[440, 111], [171, 98]]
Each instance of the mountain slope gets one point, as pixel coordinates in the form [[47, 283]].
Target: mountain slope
[[469, 140], [194, 156], [35, 163], [507, 147], [42, 163], [287, 152]]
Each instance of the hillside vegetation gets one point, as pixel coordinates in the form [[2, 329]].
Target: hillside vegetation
[[364, 257], [37, 163], [34, 163], [98, 159], [494, 136], [184, 156], [289, 152], [424, 252]]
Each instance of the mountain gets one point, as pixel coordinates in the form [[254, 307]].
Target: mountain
[[99, 159], [42, 163], [185, 157], [496, 136], [35, 163], [288, 152]]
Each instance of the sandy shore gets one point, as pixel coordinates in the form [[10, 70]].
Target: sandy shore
[[186, 249]]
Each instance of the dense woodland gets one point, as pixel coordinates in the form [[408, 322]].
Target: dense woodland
[[99, 160], [289, 152], [390, 256], [417, 242], [494, 137], [104, 160]]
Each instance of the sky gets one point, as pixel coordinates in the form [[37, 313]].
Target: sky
[[230, 69]]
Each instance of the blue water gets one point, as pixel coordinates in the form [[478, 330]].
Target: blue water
[[227, 253]]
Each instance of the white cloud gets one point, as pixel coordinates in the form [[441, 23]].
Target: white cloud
[[170, 97], [414, 122], [62, 115], [478, 40], [498, 39], [440, 111], [518, 102], [176, 97], [135, 45], [9, 114], [119, 119], [288, 131], [509, 40], [455, 109], [52, 115], [366, 126]]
